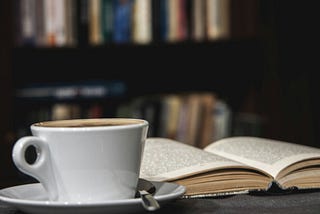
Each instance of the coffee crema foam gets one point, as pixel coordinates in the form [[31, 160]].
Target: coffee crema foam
[[89, 122]]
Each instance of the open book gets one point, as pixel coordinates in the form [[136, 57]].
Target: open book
[[232, 165]]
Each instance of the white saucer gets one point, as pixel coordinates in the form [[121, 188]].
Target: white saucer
[[31, 198]]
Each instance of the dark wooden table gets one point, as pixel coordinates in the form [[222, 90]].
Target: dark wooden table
[[294, 203]]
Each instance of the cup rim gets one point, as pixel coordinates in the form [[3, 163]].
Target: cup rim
[[140, 123]]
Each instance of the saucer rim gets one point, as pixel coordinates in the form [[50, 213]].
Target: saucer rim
[[178, 191]]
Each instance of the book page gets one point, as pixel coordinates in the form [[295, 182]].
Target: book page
[[269, 155], [165, 159]]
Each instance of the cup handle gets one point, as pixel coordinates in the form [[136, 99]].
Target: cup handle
[[41, 169]]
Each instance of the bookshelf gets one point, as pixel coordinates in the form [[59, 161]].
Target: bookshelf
[[156, 67], [242, 68], [207, 30]]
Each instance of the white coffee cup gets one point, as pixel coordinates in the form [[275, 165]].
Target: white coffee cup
[[85, 160]]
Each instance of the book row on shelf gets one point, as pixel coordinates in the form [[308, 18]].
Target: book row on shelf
[[55, 23], [196, 118], [94, 89]]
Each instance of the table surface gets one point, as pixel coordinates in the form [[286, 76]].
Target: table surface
[[293, 203]]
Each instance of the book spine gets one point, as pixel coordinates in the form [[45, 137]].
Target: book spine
[[155, 16], [40, 24], [28, 22], [188, 17], [173, 10], [182, 21], [164, 22], [49, 10], [70, 23], [82, 14], [95, 32], [122, 21], [141, 22], [60, 28], [218, 12], [198, 20], [107, 20]]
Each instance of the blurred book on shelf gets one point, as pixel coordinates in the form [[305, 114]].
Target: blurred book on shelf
[[122, 18], [198, 17], [222, 120], [95, 15], [141, 29], [218, 19], [64, 111]]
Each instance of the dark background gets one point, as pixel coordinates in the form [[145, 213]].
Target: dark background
[[269, 67]]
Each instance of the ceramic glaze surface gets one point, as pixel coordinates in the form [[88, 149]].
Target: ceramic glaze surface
[[32, 198], [79, 164]]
